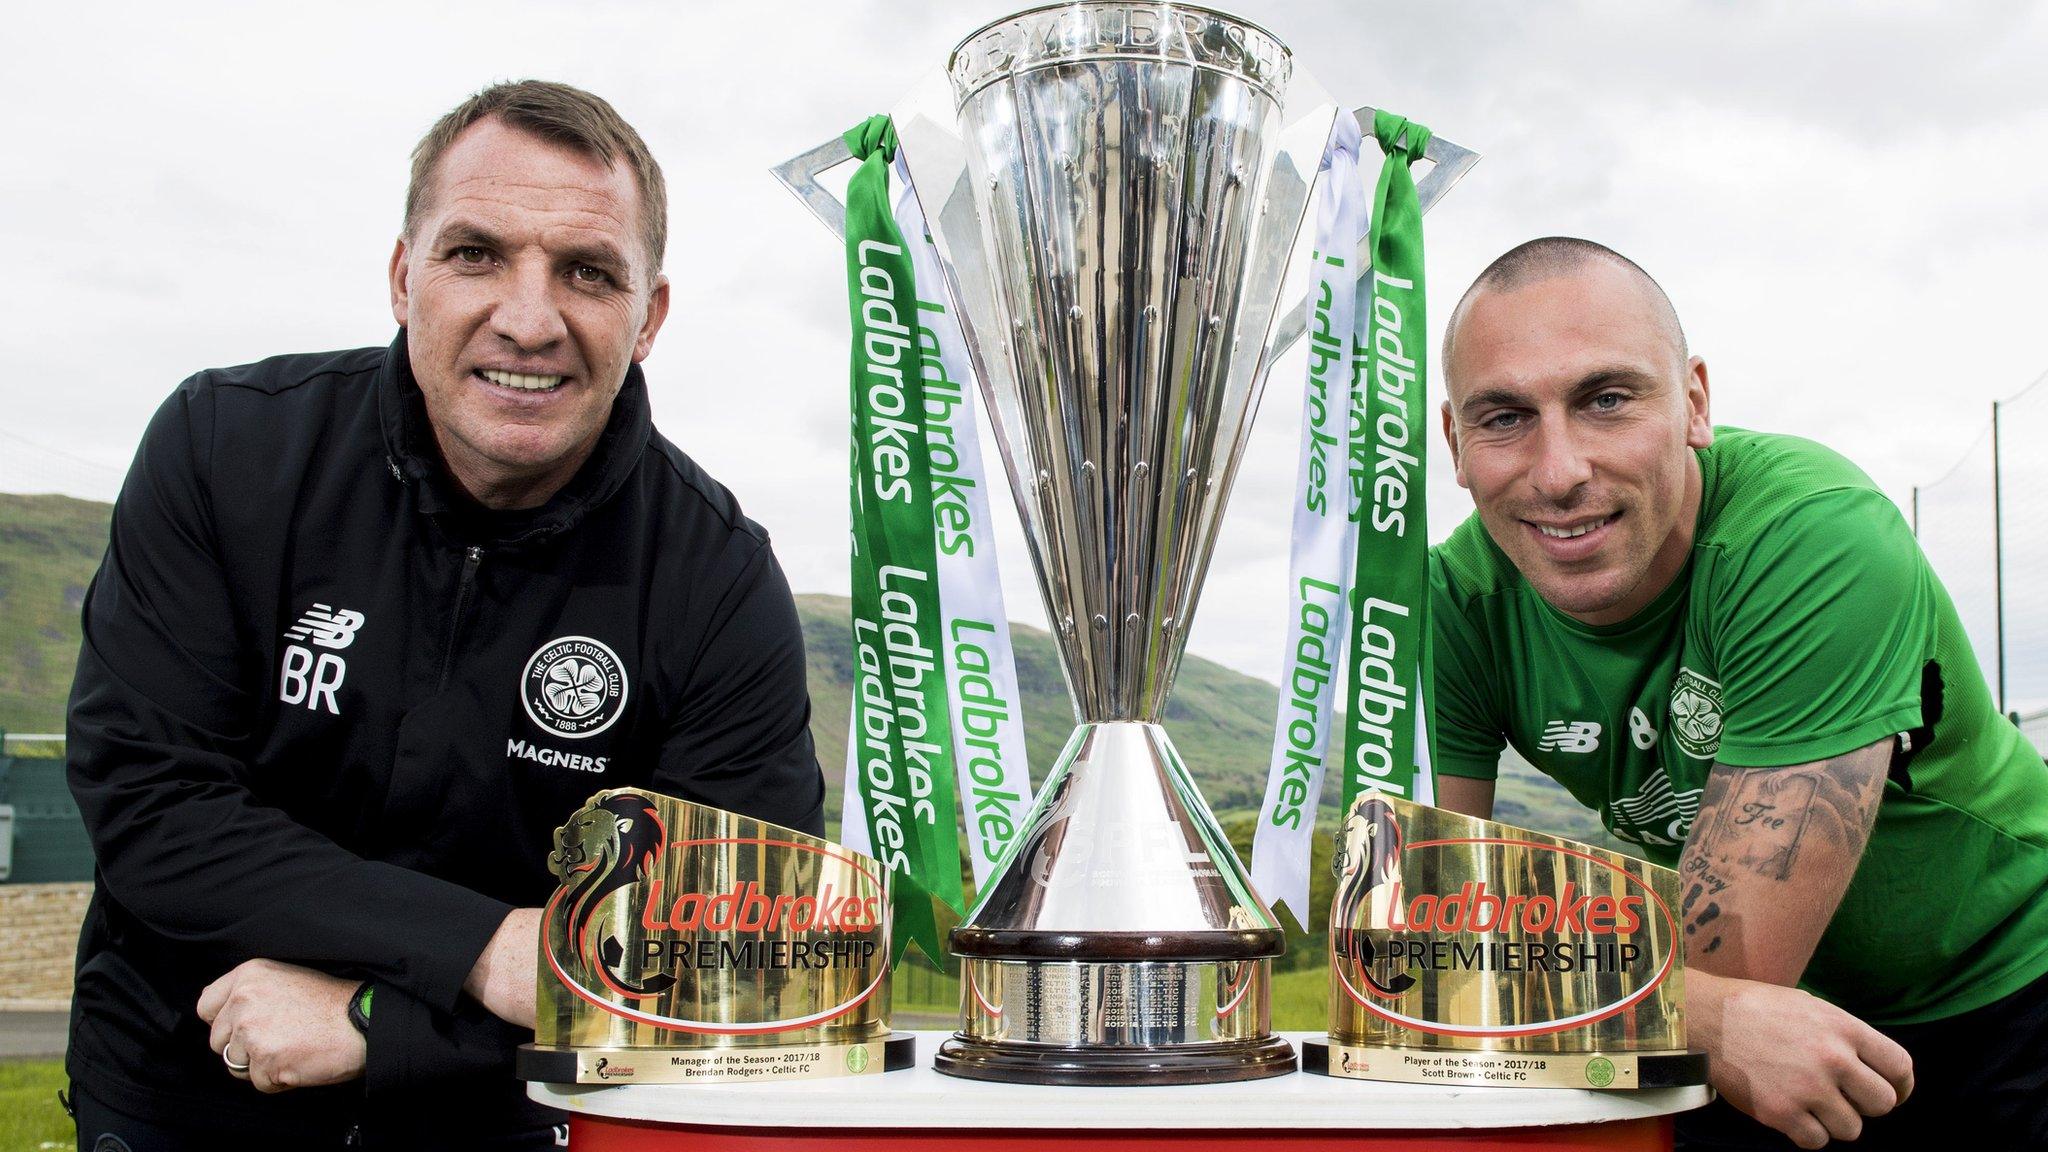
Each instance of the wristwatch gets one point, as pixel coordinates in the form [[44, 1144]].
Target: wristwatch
[[359, 1007]]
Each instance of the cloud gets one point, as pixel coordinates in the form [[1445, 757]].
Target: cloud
[[1849, 205]]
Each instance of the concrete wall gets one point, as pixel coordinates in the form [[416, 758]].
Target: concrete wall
[[41, 944]]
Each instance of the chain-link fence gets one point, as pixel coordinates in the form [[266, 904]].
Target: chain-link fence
[[1984, 526]]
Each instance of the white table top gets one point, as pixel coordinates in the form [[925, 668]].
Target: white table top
[[920, 1097]]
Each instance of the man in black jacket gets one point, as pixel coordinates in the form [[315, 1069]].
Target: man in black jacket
[[370, 625]]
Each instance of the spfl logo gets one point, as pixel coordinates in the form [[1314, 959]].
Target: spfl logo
[[574, 687]]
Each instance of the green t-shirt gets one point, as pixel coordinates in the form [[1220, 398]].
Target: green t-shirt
[[1806, 625]]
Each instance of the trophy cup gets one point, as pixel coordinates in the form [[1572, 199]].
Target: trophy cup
[[1134, 232], [1115, 191]]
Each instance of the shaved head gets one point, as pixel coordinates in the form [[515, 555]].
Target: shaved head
[[1575, 418], [1551, 257]]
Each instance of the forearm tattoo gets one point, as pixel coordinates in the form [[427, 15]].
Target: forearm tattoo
[[1757, 821]]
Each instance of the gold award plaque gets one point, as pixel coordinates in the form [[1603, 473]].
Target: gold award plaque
[[687, 943], [1463, 951]]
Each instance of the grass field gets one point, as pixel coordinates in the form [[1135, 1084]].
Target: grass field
[[30, 1118], [1301, 1001]]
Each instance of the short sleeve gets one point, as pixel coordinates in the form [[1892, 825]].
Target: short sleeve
[[1822, 626], [1469, 736]]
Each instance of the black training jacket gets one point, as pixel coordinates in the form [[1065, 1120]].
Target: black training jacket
[[329, 712]]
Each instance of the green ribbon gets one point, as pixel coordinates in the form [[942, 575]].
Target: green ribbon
[[902, 722], [1390, 660]]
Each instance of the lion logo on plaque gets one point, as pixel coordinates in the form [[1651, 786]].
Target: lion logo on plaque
[[689, 943], [1368, 859], [615, 842]]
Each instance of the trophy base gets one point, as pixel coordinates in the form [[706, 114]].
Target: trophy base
[[552, 1064], [1109, 1067], [1609, 1071], [1121, 943], [1033, 1021]]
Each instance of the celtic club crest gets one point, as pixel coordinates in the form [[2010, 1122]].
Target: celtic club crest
[[574, 687], [1696, 714]]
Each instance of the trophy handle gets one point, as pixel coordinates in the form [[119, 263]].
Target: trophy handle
[[1448, 164], [800, 175]]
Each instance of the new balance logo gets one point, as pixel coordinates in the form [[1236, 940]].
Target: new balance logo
[[326, 626], [1580, 736], [311, 679]]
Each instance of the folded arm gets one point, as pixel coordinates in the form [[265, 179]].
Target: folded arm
[[163, 709], [1769, 858]]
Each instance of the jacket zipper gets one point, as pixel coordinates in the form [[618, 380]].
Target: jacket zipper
[[474, 558]]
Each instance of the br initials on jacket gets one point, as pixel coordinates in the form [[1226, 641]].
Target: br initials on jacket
[[311, 678]]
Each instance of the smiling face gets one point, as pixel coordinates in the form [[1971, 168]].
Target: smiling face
[[525, 292], [1572, 419]]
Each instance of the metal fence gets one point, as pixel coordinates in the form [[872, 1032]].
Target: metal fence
[[42, 837], [1984, 527], [2035, 725]]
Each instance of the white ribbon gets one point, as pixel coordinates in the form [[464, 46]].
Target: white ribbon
[[993, 777], [1324, 540]]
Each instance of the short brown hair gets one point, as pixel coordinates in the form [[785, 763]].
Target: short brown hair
[[560, 114]]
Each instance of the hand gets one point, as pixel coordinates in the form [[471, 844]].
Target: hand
[[290, 1024], [1792, 1060], [504, 976]]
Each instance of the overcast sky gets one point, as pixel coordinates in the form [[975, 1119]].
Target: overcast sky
[[1848, 204]]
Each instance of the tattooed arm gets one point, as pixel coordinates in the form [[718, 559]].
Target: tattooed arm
[[1768, 860]]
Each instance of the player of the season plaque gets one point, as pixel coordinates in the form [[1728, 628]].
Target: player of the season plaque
[[1463, 951]]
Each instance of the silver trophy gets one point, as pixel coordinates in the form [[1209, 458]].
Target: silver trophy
[[1115, 191]]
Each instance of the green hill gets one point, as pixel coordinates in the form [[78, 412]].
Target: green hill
[[49, 548], [1221, 720]]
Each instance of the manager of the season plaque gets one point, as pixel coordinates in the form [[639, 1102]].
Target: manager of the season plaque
[[687, 943]]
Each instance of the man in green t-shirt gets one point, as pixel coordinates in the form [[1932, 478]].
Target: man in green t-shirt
[[1729, 645]]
